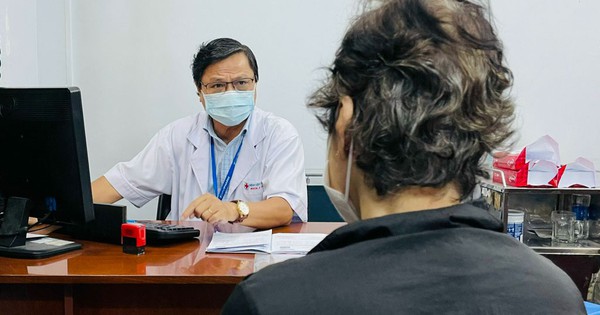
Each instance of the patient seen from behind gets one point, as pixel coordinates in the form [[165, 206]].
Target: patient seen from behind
[[417, 94]]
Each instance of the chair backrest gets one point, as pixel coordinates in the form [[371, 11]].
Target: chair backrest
[[164, 207], [320, 208]]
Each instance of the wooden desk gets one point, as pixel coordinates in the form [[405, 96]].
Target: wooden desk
[[100, 279]]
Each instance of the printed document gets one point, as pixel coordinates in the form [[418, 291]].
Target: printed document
[[264, 242]]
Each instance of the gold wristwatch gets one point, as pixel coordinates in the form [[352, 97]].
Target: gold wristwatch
[[242, 209]]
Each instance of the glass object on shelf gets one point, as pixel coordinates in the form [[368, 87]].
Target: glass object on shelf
[[515, 223], [562, 226], [580, 206]]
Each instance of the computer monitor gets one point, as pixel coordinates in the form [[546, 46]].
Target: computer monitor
[[43, 153]]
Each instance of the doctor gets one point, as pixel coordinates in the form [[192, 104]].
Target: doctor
[[232, 163]]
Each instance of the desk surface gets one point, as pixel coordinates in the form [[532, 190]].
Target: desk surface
[[180, 263]]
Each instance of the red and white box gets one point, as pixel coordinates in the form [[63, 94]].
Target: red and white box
[[545, 148], [535, 173], [580, 173]]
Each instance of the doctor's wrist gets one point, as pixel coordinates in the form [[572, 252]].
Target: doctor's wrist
[[232, 213], [241, 210]]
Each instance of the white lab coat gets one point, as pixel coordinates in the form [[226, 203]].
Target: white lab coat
[[177, 162]]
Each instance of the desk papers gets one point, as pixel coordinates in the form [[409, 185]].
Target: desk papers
[[295, 243], [31, 236], [264, 242], [253, 242]]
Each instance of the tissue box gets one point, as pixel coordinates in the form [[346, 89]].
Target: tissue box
[[545, 148], [580, 173], [536, 173], [510, 161]]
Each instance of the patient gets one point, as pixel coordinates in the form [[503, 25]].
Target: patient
[[417, 95]]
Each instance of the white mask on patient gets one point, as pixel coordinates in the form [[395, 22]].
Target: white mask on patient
[[340, 201]]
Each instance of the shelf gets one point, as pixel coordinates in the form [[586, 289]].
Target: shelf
[[537, 190], [547, 247], [540, 201]]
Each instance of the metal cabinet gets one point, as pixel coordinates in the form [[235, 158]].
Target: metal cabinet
[[538, 202], [581, 260]]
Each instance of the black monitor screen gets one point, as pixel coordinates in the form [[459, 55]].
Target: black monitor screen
[[43, 154]]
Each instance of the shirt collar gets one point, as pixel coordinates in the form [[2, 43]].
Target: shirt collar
[[208, 127], [462, 215]]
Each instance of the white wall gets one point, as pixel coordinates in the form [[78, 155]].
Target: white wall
[[131, 60], [553, 49], [34, 43], [18, 40]]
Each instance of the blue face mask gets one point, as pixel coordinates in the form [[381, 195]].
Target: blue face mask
[[229, 108]]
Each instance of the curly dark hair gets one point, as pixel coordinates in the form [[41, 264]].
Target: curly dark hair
[[430, 93]]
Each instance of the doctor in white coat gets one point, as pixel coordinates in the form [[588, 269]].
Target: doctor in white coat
[[232, 163]]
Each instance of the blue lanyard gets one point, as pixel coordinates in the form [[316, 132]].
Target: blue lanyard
[[225, 186]]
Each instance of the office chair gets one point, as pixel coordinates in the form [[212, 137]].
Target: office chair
[[320, 208], [164, 207]]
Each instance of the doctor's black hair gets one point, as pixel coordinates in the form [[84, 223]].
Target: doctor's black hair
[[217, 50], [430, 93]]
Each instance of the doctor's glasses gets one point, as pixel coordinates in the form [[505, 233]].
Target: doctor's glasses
[[238, 85]]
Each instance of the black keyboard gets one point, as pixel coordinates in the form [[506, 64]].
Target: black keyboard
[[168, 232]]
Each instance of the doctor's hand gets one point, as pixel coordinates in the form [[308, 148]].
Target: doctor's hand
[[209, 208]]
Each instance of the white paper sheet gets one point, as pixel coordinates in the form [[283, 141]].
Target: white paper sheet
[[295, 243], [264, 242], [253, 242]]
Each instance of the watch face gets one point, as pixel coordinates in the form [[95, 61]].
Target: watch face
[[243, 207]]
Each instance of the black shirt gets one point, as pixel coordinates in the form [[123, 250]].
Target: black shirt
[[454, 260]]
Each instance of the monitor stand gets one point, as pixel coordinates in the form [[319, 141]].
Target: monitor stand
[[13, 234]]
